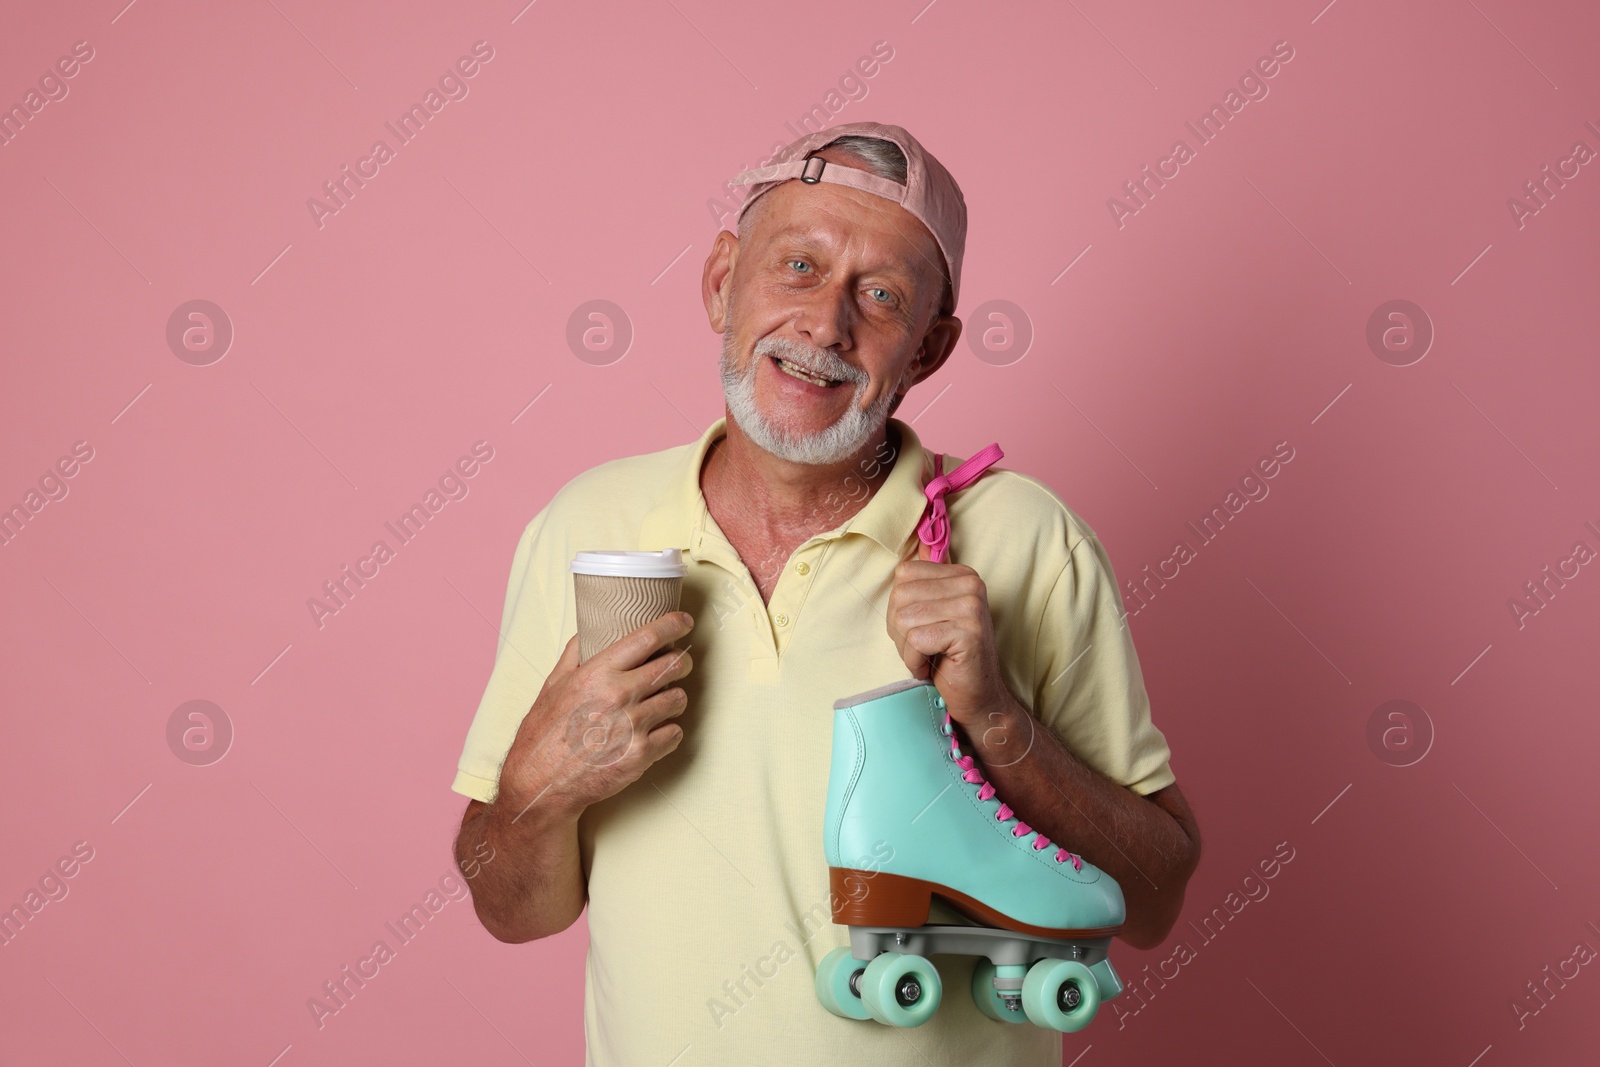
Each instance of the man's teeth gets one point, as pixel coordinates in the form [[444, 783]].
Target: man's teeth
[[790, 368]]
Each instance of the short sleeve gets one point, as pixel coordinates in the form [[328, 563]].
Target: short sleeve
[[1090, 690], [525, 653]]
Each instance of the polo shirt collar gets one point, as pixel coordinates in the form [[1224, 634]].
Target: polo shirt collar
[[681, 519]]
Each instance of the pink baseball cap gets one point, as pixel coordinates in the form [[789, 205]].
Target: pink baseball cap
[[930, 193]]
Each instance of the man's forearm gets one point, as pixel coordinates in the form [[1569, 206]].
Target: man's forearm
[[1134, 840], [524, 869]]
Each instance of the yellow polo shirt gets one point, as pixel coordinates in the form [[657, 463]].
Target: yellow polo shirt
[[708, 891]]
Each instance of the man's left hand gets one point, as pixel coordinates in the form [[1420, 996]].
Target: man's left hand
[[942, 610]]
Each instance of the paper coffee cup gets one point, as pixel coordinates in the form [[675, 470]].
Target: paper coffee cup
[[618, 592]]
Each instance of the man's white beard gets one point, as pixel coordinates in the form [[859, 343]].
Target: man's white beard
[[835, 444]]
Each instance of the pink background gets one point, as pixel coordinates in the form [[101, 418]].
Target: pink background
[[1229, 314]]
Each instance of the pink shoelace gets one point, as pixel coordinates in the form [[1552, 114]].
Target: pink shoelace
[[934, 529], [975, 776]]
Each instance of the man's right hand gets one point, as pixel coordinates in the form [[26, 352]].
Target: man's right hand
[[597, 726]]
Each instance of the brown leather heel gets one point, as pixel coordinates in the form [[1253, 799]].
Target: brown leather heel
[[877, 898]]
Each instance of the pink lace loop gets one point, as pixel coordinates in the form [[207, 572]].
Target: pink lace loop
[[934, 529], [1004, 812]]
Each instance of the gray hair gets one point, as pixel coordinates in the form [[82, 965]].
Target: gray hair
[[882, 158]]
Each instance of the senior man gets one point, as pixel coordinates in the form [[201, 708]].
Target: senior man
[[675, 781]]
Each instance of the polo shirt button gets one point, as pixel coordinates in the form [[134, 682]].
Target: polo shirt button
[[783, 620], [802, 568]]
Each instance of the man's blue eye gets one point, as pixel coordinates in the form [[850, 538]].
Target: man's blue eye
[[885, 292], [802, 263]]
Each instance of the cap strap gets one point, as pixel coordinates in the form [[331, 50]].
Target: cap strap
[[813, 169]]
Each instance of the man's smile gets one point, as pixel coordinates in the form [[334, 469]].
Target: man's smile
[[796, 371]]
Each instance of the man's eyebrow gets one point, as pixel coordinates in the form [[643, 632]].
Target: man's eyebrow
[[902, 268]]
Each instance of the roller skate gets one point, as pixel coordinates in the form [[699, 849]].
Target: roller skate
[[909, 818]]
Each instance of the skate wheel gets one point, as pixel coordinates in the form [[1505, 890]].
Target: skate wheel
[[988, 998], [901, 990], [1060, 995], [833, 984]]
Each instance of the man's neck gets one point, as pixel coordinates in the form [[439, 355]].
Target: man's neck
[[779, 496]]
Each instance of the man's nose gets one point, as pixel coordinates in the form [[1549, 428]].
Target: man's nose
[[824, 316]]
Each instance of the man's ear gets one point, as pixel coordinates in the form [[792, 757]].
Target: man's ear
[[937, 344], [716, 279]]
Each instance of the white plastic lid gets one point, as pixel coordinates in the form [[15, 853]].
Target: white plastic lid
[[668, 563]]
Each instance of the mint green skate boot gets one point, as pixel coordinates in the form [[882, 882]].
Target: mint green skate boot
[[909, 818]]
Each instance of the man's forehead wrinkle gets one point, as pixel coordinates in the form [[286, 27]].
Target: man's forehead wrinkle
[[852, 235], [820, 210]]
